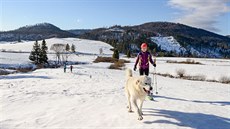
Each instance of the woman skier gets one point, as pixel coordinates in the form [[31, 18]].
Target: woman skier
[[143, 59]]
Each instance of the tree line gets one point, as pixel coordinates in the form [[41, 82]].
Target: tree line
[[38, 54]]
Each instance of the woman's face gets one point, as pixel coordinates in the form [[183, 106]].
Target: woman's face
[[144, 49]]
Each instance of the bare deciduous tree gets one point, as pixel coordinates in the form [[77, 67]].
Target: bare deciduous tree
[[101, 51], [58, 49]]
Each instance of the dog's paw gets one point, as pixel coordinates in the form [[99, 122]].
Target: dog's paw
[[130, 111], [140, 118]]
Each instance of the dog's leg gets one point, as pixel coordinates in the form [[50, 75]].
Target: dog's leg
[[128, 99], [137, 110], [129, 103], [141, 104]]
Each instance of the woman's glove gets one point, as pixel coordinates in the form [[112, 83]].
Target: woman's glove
[[135, 68]]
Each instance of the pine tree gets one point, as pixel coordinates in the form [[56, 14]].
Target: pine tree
[[43, 53], [35, 53], [116, 54], [128, 54], [32, 55], [67, 47], [154, 51], [73, 48], [19, 39], [67, 50]]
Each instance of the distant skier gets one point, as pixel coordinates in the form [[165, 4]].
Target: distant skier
[[64, 67], [143, 59], [71, 68]]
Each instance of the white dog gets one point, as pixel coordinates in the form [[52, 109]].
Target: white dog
[[137, 88]]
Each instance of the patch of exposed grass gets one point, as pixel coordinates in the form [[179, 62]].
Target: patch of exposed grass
[[109, 60], [105, 59], [24, 70], [188, 61], [117, 64]]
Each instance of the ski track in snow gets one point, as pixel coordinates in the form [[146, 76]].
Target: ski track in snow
[[93, 97]]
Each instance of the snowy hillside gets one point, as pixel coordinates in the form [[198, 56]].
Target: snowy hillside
[[173, 38], [82, 45], [35, 32], [168, 44]]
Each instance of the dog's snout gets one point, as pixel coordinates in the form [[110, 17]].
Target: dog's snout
[[151, 88]]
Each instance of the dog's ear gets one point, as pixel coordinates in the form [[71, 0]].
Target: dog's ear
[[138, 82]]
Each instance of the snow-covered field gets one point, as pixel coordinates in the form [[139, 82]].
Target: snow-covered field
[[212, 69], [8, 60], [93, 97], [86, 46]]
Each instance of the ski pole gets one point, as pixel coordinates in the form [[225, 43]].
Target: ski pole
[[155, 76], [155, 79]]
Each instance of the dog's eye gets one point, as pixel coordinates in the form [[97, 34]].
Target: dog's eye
[[146, 83]]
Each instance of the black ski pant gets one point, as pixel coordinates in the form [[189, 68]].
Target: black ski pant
[[144, 71]]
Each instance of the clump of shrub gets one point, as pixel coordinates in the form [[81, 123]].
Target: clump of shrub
[[199, 77], [166, 75], [180, 72], [224, 79], [188, 61], [105, 59], [117, 63], [171, 61], [25, 70], [109, 60]]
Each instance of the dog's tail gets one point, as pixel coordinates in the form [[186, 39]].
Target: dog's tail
[[128, 73]]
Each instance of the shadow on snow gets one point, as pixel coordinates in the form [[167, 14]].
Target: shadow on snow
[[24, 77], [185, 119], [222, 103]]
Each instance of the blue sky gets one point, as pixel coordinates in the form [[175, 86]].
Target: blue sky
[[78, 14]]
